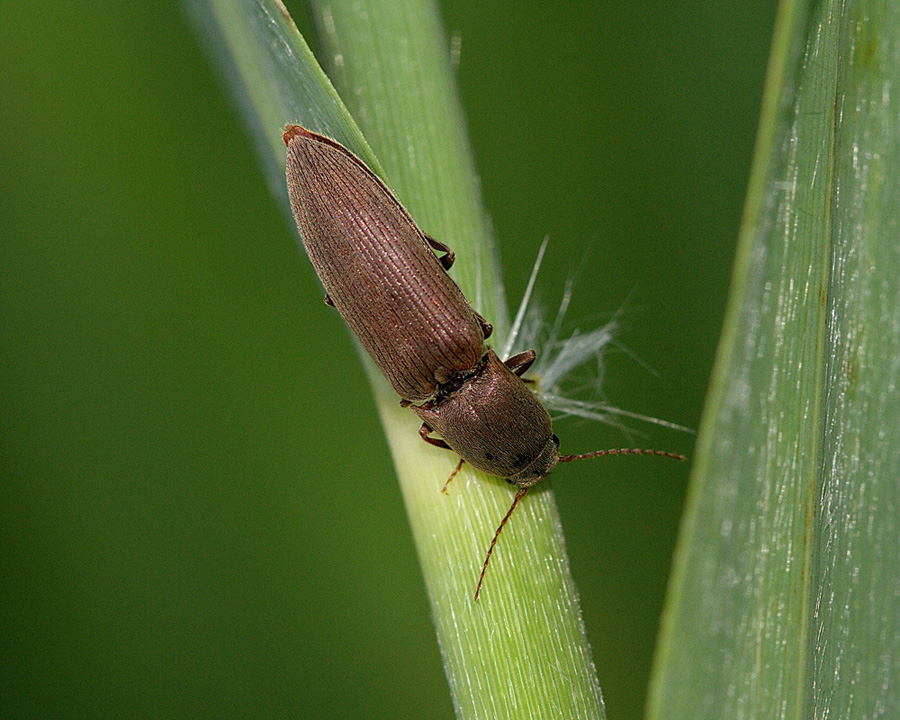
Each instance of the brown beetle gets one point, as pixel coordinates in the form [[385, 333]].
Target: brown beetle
[[382, 274]]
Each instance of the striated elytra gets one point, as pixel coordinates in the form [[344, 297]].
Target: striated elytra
[[381, 273]]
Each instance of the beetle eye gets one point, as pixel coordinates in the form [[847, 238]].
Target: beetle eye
[[555, 440]]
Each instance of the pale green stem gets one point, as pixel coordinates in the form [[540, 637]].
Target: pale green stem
[[521, 650]]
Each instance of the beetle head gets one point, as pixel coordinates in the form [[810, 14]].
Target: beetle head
[[541, 467]]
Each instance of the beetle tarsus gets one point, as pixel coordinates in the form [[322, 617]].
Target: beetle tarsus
[[486, 328], [520, 363], [448, 258]]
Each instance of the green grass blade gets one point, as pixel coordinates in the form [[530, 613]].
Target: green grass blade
[[275, 79], [785, 595], [394, 73], [856, 602], [521, 651]]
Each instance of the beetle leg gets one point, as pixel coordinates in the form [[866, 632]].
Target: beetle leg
[[448, 257], [486, 328], [452, 475], [425, 434], [328, 300], [520, 363]]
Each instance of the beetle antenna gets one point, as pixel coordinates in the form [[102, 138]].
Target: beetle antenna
[[519, 495], [620, 451], [452, 475]]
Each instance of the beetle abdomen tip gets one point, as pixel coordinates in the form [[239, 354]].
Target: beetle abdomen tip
[[293, 131]]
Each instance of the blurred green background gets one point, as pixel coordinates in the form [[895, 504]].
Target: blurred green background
[[177, 400]]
